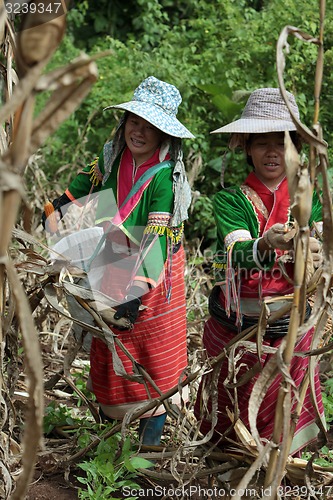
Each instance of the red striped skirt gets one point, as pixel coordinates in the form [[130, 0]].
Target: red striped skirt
[[157, 342], [215, 339]]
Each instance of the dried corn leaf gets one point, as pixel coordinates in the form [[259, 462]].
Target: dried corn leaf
[[50, 293], [21, 92], [243, 434], [299, 184], [85, 293], [25, 237], [5, 481], [31, 267], [296, 473], [235, 358], [3, 17], [11, 201], [70, 85], [64, 102], [59, 77], [313, 364], [34, 373], [282, 44], [3, 140], [262, 326], [40, 34], [33, 255], [104, 334], [249, 473]]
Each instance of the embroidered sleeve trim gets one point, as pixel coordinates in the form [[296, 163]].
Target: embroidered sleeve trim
[[158, 223], [96, 175], [219, 265], [238, 235], [71, 197], [255, 199], [150, 281]]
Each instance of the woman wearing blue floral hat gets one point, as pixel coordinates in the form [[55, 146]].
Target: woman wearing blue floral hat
[[143, 200]]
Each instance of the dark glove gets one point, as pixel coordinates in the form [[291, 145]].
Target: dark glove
[[59, 206], [130, 308]]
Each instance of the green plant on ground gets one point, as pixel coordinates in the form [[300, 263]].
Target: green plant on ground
[[324, 458], [325, 455], [80, 379], [328, 400], [58, 415], [111, 469]]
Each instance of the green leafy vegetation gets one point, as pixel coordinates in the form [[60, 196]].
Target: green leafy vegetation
[[111, 466], [108, 471], [328, 400], [80, 379], [58, 415], [215, 53], [325, 454]]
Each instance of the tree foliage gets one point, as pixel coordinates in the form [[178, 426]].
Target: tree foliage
[[216, 53]]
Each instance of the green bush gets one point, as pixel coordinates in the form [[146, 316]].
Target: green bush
[[214, 52]]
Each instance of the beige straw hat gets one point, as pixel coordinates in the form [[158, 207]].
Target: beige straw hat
[[265, 111]]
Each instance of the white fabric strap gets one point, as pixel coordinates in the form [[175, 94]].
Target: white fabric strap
[[255, 255], [238, 235]]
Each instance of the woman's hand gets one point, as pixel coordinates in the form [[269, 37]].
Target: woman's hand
[[279, 236], [60, 209], [130, 307], [315, 249]]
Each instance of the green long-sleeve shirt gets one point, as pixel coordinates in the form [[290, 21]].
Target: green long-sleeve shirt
[[141, 223]]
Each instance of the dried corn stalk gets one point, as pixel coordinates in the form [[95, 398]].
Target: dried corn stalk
[[301, 184], [20, 136]]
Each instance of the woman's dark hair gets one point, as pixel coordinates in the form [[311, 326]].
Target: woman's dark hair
[[294, 136]]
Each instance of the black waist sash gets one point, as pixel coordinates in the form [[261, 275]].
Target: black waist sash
[[273, 331]]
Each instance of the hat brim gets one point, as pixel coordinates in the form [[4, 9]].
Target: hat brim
[[255, 126], [157, 117]]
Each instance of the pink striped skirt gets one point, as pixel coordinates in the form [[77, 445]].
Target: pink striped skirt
[[215, 339], [157, 342]]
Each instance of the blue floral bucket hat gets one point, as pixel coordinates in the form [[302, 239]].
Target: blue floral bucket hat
[[157, 102]]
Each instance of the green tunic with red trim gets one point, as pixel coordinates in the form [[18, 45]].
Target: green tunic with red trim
[[143, 217], [242, 215]]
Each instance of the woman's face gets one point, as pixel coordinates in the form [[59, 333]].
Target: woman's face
[[267, 153], [142, 138]]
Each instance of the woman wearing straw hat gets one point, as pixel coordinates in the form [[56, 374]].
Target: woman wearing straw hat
[[252, 234], [143, 197]]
